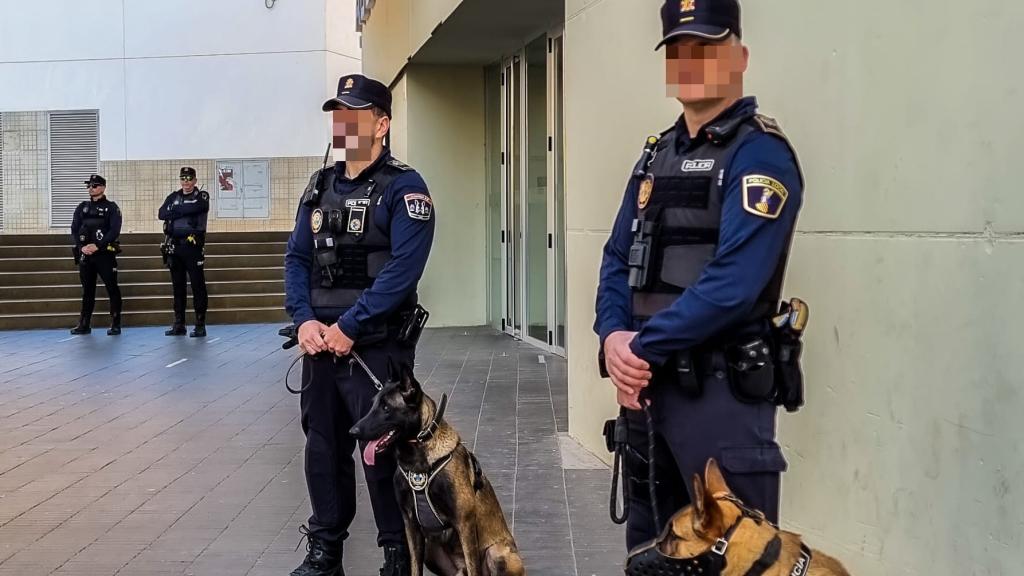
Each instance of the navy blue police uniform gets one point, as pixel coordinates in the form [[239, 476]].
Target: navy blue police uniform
[[694, 265], [355, 258], [97, 222], [185, 217]]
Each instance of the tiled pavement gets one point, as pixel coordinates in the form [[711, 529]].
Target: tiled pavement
[[146, 455]]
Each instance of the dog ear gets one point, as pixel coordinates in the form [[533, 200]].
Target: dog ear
[[707, 519], [392, 370], [408, 380], [714, 479]]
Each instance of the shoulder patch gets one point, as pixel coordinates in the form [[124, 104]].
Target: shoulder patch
[[764, 196], [419, 206], [399, 165]]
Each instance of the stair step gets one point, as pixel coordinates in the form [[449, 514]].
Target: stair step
[[143, 318], [139, 303], [146, 262], [222, 249], [70, 276], [139, 289], [64, 238]]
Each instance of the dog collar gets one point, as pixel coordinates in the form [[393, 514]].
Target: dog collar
[[428, 432]]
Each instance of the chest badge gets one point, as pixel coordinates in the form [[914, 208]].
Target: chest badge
[[646, 189], [317, 221], [356, 219]]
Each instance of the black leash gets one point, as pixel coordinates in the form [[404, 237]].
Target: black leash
[[621, 444]]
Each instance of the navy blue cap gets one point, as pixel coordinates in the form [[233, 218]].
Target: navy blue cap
[[96, 180], [187, 171], [358, 92], [710, 19]]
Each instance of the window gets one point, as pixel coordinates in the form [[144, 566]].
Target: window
[[1, 171], [74, 155]]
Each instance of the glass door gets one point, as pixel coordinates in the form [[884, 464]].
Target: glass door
[[532, 204], [556, 197]]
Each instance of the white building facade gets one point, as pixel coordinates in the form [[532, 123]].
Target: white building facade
[[134, 89]]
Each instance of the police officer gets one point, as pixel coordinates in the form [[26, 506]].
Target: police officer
[[692, 274], [184, 213], [95, 228], [362, 236]]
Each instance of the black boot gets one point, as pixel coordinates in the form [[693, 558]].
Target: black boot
[[396, 560], [322, 558], [200, 330], [178, 328], [83, 326], [115, 325]]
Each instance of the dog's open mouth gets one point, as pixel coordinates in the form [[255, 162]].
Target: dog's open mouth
[[377, 446]]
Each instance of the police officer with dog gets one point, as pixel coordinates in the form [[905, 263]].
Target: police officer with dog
[[95, 228], [362, 236], [184, 214], [688, 306]]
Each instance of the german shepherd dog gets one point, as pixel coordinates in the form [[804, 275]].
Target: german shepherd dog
[[453, 522], [744, 539]]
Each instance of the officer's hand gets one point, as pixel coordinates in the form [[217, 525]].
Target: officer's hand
[[311, 337], [89, 249], [628, 371], [628, 401], [337, 341]]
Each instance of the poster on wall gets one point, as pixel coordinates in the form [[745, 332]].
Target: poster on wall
[[243, 189]]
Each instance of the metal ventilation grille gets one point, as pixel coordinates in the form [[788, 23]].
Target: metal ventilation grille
[[74, 155]]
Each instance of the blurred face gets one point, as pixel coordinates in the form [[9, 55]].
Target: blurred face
[[188, 184], [96, 191], [699, 70], [355, 131]]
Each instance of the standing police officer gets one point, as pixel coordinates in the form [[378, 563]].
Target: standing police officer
[[362, 236], [184, 213], [95, 228], [692, 274]]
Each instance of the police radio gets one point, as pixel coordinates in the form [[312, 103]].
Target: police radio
[[313, 196]]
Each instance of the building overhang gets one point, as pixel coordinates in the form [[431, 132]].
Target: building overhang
[[483, 31]]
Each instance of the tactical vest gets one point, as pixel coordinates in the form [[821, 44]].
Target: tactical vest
[[95, 222], [679, 216], [349, 249], [185, 226]]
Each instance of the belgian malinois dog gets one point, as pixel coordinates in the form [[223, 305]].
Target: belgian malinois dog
[[724, 536], [453, 522], [720, 532]]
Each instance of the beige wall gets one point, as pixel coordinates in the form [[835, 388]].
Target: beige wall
[[445, 142], [907, 458]]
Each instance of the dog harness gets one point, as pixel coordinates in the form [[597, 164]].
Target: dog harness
[[648, 560], [426, 514]]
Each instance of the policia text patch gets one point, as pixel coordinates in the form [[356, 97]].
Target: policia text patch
[[763, 196]]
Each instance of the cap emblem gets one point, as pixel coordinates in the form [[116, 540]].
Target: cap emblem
[[688, 6], [349, 84]]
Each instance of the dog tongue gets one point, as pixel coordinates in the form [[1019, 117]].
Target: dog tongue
[[370, 452]]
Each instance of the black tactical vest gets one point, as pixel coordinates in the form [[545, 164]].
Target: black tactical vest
[[349, 249], [95, 221], [679, 216], [185, 226]]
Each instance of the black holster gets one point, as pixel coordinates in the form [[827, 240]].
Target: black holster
[[76, 253], [788, 374], [686, 374], [412, 325], [752, 372]]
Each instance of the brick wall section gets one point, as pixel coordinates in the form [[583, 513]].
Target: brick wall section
[[26, 186], [138, 186]]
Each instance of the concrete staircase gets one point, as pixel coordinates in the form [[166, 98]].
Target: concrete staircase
[[40, 288]]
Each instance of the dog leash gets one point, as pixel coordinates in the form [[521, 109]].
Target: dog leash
[[621, 445], [305, 385]]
